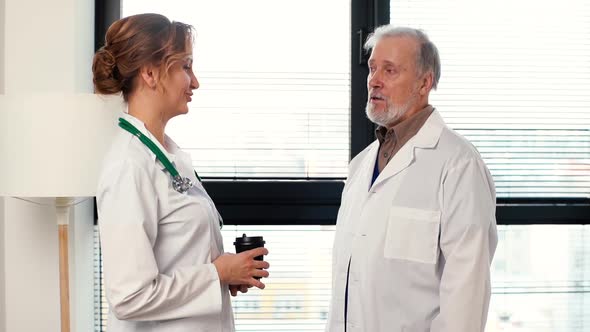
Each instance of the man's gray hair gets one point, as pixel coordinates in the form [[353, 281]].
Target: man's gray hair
[[427, 58]]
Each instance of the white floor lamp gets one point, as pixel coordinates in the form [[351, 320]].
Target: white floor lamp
[[56, 143]]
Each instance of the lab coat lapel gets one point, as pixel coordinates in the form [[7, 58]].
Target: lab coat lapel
[[426, 138], [368, 166]]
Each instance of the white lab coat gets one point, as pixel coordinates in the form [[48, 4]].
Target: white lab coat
[[420, 240], [158, 244]]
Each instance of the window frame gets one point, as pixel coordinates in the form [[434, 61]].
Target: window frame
[[315, 201]]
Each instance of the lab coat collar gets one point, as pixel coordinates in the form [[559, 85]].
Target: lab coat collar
[[141, 127], [426, 138]]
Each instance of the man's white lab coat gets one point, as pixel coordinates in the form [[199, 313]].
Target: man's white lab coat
[[420, 240]]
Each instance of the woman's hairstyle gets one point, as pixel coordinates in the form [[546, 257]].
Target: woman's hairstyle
[[135, 41]]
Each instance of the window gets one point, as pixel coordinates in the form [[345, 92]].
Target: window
[[298, 291], [269, 131], [534, 287], [541, 279], [275, 92], [514, 81]]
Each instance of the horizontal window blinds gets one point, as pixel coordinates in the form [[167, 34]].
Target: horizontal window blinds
[[101, 308], [540, 280], [516, 82], [274, 94], [297, 293]]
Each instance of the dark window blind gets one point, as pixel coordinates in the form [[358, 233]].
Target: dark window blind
[[515, 81]]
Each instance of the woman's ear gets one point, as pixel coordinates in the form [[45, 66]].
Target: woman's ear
[[149, 75]]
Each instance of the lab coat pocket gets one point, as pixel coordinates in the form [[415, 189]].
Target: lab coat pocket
[[412, 234]]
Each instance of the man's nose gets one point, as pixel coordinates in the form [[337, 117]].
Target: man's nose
[[375, 80]]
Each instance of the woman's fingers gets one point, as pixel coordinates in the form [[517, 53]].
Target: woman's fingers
[[261, 264], [233, 289], [256, 283], [239, 269], [260, 273], [256, 252]]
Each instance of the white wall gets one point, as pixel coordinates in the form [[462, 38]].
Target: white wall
[[45, 46], [2, 293], [2, 23]]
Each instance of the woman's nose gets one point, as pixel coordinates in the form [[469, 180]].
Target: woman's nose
[[194, 83]]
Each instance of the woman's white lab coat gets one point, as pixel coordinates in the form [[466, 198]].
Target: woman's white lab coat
[[420, 240], [158, 244]]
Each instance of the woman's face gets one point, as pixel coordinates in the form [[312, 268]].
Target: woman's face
[[178, 86]]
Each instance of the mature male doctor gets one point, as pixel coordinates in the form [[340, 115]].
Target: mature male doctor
[[416, 231]]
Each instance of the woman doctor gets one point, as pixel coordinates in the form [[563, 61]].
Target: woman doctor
[[164, 265]]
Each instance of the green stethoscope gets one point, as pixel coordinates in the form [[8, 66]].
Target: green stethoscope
[[179, 183]]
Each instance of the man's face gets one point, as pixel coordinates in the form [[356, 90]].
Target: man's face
[[393, 83]]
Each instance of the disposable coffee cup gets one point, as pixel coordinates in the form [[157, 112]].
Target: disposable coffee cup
[[244, 243]]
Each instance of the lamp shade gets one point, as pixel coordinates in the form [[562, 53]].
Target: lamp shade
[[52, 145]]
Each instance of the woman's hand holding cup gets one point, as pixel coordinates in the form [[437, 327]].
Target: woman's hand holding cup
[[243, 268]]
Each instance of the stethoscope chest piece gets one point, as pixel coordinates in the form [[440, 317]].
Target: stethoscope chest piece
[[180, 184]]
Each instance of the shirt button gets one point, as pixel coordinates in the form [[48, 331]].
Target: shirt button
[[385, 155]]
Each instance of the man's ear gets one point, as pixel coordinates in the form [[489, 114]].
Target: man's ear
[[426, 83], [149, 75]]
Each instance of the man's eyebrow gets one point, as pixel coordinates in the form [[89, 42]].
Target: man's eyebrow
[[386, 62], [390, 63]]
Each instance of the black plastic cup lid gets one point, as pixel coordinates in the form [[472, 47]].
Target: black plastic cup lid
[[249, 240]]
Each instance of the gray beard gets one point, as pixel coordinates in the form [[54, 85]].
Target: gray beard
[[392, 113]]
